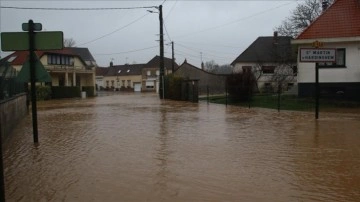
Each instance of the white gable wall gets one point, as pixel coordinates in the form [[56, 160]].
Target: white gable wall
[[350, 73]]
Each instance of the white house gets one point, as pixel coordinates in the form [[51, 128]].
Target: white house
[[268, 57], [338, 27]]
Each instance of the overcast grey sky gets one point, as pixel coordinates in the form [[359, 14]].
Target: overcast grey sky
[[207, 30]]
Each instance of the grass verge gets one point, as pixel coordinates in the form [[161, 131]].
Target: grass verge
[[287, 102]]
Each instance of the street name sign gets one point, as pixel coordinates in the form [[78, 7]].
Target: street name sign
[[36, 26], [19, 41], [317, 55]]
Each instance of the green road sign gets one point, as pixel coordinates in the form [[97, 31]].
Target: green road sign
[[37, 26], [14, 41], [41, 74]]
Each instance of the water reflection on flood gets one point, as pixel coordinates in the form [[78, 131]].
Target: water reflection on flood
[[137, 148]]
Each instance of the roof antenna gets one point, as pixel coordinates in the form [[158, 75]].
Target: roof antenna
[[325, 5]]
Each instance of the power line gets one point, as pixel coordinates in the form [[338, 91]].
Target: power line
[[74, 9], [207, 53], [167, 34], [171, 9], [131, 51], [210, 44], [236, 21], [114, 30]]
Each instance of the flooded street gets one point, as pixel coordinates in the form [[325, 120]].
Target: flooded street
[[135, 147]]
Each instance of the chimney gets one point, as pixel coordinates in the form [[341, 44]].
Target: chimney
[[202, 66], [325, 5], [275, 39], [111, 64]]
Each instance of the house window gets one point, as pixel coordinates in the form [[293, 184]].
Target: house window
[[290, 85], [129, 83], [268, 69], [148, 73], [340, 59], [60, 60], [149, 84], [246, 68], [157, 72]]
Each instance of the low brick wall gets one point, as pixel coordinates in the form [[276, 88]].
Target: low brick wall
[[11, 111]]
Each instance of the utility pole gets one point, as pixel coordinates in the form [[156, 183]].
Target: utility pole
[[161, 79], [33, 79], [173, 58]]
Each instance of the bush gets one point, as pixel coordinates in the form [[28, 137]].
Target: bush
[[173, 87], [240, 86], [65, 91]]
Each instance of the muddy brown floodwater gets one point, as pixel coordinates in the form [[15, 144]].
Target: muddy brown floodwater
[[135, 147]]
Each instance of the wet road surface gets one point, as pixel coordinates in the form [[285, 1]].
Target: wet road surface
[[134, 147]]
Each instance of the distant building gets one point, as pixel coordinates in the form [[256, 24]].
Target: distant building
[[123, 77], [206, 80], [264, 56], [338, 27], [100, 73], [151, 73]]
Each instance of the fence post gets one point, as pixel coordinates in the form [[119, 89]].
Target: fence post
[[226, 94], [207, 93]]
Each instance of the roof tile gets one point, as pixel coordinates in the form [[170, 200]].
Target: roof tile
[[341, 19]]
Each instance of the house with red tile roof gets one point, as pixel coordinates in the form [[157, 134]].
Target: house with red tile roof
[[338, 27], [71, 66]]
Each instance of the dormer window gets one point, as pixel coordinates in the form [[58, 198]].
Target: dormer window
[[119, 71], [128, 71], [54, 59]]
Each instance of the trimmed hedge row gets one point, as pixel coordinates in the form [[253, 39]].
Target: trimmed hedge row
[[65, 92], [173, 87]]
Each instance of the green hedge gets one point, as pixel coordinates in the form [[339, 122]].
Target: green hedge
[[65, 91], [173, 87], [89, 90], [43, 92]]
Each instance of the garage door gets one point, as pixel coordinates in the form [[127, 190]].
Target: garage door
[[137, 87]]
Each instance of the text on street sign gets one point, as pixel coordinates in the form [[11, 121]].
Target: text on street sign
[[317, 55]]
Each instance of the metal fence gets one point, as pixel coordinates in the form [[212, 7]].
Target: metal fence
[[9, 87]]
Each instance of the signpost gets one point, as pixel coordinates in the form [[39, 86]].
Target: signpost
[[317, 55], [31, 41]]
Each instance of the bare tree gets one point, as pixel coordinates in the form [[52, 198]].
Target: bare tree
[[213, 67], [285, 64], [303, 15], [69, 42], [258, 73]]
